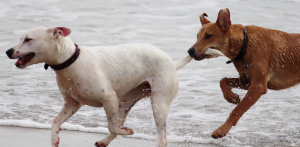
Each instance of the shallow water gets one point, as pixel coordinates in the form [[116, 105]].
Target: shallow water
[[30, 97]]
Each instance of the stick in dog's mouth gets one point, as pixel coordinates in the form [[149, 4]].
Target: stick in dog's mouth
[[23, 60], [209, 52]]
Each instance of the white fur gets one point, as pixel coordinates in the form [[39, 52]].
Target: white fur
[[112, 77], [183, 61]]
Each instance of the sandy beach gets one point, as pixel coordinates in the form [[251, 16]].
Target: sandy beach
[[30, 137]]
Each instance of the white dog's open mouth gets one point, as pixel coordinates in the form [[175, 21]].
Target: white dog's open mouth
[[25, 59]]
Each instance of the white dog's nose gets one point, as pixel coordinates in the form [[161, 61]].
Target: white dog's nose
[[10, 52]]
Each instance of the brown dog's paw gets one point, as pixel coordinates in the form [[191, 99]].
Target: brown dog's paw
[[232, 98], [101, 144], [221, 132], [217, 135]]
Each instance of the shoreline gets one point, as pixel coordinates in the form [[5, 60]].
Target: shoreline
[[12, 136]]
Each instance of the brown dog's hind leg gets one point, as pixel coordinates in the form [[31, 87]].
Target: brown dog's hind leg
[[227, 84]]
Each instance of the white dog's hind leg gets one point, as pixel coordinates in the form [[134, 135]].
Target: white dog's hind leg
[[164, 90], [160, 112], [70, 108]]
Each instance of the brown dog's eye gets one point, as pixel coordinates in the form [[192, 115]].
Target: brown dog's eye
[[27, 39], [208, 36]]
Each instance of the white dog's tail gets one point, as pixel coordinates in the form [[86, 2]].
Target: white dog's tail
[[183, 61]]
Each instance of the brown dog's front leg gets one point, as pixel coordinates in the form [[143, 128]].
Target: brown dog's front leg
[[227, 84], [256, 90]]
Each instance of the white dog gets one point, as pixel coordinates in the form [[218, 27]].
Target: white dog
[[113, 77]]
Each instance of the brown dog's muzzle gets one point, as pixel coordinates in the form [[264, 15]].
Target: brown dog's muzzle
[[191, 52]]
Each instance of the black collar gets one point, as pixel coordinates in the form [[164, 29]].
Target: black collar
[[240, 56], [66, 63]]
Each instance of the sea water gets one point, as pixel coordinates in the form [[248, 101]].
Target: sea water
[[30, 97]]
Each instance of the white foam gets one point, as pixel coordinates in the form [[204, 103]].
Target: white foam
[[24, 123], [72, 127]]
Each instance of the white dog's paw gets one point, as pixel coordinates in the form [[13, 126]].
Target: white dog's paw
[[125, 131], [54, 140], [105, 141], [100, 144]]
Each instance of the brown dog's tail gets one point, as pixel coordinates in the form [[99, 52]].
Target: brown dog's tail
[[183, 61]]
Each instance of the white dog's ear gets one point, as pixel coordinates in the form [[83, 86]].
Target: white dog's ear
[[57, 31]]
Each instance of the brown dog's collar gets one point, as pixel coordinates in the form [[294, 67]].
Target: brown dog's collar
[[240, 56], [66, 63]]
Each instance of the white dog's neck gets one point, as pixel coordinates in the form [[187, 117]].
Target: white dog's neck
[[66, 48]]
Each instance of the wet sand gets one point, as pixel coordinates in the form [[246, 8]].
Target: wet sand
[[30, 137]]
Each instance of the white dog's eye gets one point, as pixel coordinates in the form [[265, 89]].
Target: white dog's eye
[[27, 39]]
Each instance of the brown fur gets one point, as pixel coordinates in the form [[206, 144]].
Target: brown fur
[[273, 56]]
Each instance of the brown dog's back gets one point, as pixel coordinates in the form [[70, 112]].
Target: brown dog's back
[[278, 49]]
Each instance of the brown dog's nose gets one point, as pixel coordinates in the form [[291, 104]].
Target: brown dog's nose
[[10, 52], [191, 52]]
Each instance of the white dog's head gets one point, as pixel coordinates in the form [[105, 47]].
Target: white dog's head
[[38, 45]]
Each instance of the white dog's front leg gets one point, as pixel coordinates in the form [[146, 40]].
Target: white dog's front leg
[[70, 108], [111, 110]]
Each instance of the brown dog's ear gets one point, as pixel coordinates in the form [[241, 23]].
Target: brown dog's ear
[[57, 31], [223, 20], [203, 20]]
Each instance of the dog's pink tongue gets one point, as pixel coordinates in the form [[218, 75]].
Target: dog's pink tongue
[[20, 62], [23, 60]]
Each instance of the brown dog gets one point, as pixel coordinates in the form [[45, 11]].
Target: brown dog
[[264, 58]]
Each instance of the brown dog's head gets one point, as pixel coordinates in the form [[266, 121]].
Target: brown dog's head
[[212, 36]]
